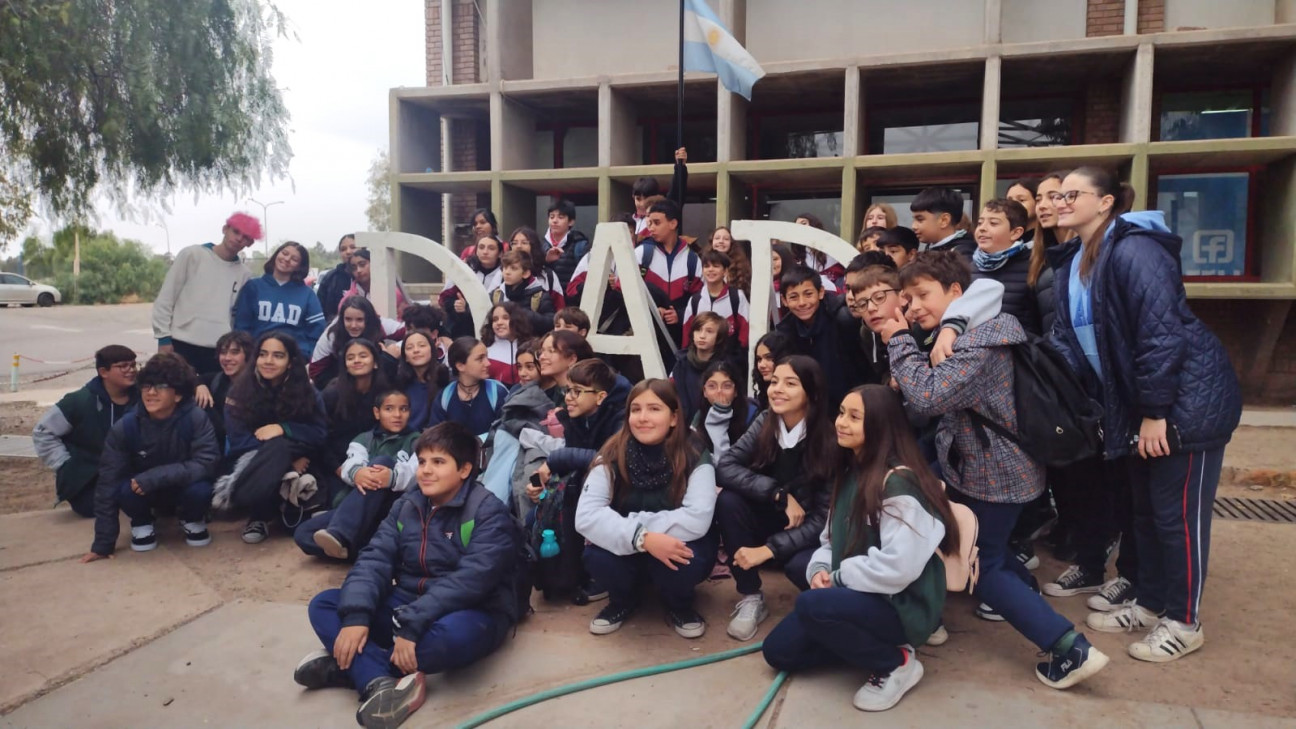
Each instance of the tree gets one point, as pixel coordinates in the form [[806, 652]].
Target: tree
[[379, 184], [142, 97]]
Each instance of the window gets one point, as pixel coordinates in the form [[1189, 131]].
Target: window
[[924, 128], [659, 140], [1209, 211], [798, 136], [586, 212], [563, 146], [1035, 123], [1213, 115], [900, 199]]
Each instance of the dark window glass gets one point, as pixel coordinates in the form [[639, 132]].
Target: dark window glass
[[899, 198], [1035, 123], [659, 141], [798, 136], [1207, 115], [924, 128], [1209, 211]]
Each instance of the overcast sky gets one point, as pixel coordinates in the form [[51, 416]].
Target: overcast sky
[[335, 76]]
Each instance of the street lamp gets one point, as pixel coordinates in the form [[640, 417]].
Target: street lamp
[[265, 218], [165, 229]]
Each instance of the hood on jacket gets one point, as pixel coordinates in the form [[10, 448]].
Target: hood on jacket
[[1002, 331], [96, 386]]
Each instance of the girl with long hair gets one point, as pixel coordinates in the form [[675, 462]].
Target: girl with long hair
[[485, 264], [527, 240], [1023, 191], [726, 412], [880, 215], [274, 423], [281, 300], [506, 326], [420, 375], [739, 273], [1170, 397], [646, 510], [559, 350], [877, 582], [774, 498], [472, 398], [770, 350], [357, 319]]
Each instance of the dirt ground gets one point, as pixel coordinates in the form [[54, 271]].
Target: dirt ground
[[1242, 668]]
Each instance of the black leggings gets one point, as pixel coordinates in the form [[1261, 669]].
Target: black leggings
[[257, 488]]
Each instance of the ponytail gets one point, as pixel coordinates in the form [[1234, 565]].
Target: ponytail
[[1107, 183]]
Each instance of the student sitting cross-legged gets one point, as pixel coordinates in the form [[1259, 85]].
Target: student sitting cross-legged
[[774, 500], [877, 584], [162, 452], [646, 510], [433, 591], [380, 465], [989, 473]]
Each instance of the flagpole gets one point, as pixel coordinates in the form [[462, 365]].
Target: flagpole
[[679, 102]]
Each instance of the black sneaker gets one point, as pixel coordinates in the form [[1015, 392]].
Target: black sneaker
[[1079, 663], [1112, 595], [321, 670], [387, 701], [1074, 581], [686, 622], [609, 619], [195, 533], [256, 531], [592, 592], [143, 538], [1025, 553]]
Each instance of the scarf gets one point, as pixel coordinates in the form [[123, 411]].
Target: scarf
[[995, 261], [650, 476], [716, 424]]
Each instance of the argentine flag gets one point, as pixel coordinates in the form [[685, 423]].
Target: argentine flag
[[708, 46]]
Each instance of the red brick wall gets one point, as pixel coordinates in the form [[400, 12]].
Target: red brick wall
[[1237, 323], [466, 39], [1151, 16], [1102, 112], [1105, 17]]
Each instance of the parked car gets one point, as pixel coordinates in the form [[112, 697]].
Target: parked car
[[15, 289]]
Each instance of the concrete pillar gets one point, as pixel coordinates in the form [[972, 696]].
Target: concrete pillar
[[616, 138], [1138, 180], [989, 176], [512, 134], [852, 207], [509, 52], [731, 109], [853, 119], [513, 206], [990, 103], [1282, 117], [1136, 98], [993, 22]]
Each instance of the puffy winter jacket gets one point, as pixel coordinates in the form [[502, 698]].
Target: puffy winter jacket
[[1019, 299], [70, 435], [1046, 298], [165, 456], [1158, 360], [419, 547], [532, 296], [584, 436], [734, 473], [832, 338], [576, 247]]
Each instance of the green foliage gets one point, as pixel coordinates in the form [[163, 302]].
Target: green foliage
[[135, 98], [112, 270], [379, 184]]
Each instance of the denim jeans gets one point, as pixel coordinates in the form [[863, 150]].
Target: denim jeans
[[454, 641], [354, 521], [1004, 584], [191, 502], [838, 625]]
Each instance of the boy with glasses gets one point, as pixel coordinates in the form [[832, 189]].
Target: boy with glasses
[[69, 437], [162, 452]]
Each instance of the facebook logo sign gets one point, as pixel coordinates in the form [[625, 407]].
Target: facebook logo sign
[[1209, 211], [1214, 250]]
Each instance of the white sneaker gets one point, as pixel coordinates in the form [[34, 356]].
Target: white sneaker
[[880, 693], [1114, 593], [1129, 617], [939, 636], [1169, 641], [143, 538], [747, 617], [196, 534]]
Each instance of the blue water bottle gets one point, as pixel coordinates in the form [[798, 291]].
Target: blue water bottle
[[548, 544]]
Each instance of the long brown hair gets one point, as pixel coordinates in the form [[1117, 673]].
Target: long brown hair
[[821, 443], [1107, 182], [1045, 238], [888, 442], [680, 452]]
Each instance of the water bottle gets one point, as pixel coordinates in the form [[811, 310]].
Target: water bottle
[[548, 544]]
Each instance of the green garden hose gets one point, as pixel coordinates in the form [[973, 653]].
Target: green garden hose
[[590, 683]]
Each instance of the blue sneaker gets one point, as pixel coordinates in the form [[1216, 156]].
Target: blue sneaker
[[1077, 664]]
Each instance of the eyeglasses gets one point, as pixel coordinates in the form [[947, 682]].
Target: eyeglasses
[[125, 366], [575, 392], [1070, 196], [877, 299], [726, 386], [159, 389]]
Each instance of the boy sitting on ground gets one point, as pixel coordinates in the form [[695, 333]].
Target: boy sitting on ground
[[162, 452], [380, 465], [70, 435], [433, 591]]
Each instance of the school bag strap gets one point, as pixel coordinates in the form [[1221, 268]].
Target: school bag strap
[[468, 514], [963, 567], [493, 390]]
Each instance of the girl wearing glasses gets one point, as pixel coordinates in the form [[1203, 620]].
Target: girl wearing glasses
[[726, 412], [1169, 394], [774, 497]]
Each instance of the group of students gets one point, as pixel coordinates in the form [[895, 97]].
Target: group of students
[[459, 472]]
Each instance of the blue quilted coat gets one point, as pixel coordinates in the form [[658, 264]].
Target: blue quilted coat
[[1158, 359]]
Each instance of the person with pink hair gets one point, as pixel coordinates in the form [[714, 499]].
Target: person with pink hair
[[192, 310]]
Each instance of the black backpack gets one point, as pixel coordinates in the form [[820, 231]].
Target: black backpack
[[1057, 422], [523, 570]]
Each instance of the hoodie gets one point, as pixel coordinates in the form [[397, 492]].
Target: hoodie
[[69, 437], [265, 305], [1155, 358]]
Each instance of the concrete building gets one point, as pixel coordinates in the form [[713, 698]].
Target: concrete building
[[871, 100]]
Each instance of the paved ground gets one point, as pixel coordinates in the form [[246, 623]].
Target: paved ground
[[63, 334]]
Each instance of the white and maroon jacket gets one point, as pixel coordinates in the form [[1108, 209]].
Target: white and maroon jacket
[[724, 305]]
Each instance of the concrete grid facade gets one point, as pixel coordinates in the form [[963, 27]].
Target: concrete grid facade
[[571, 98]]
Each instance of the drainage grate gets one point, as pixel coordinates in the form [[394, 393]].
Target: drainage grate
[[1267, 510]]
